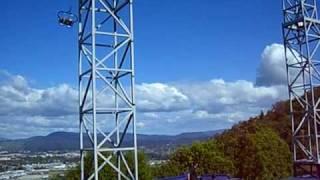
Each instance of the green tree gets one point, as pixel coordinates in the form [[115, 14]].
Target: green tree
[[257, 151], [201, 158]]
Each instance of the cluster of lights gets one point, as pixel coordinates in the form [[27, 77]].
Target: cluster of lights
[[297, 25]]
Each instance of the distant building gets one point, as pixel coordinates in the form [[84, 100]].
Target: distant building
[[12, 174]]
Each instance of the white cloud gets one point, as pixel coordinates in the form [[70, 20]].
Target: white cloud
[[162, 107], [24, 108], [18, 98], [218, 96], [272, 68], [158, 97]]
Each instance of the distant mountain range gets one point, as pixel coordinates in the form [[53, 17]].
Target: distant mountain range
[[67, 141]]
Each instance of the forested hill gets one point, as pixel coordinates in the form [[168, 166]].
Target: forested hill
[[277, 118], [257, 148]]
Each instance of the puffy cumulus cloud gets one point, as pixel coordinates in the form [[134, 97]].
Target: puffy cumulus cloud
[[18, 98], [184, 121], [28, 108], [217, 96], [272, 68], [162, 107], [55, 108], [213, 104], [158, 97]]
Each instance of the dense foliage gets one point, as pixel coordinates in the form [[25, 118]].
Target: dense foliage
[[257, 152], [248, 150], [200, 158]]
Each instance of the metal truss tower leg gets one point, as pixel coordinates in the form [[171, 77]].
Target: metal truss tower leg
[[301, 35], [108, 140]]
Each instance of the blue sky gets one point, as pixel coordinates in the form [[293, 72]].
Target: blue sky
[[180, 45], [175, 40]]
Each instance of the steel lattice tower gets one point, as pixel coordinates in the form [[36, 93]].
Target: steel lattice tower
[[106, 85], [301, 35]]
